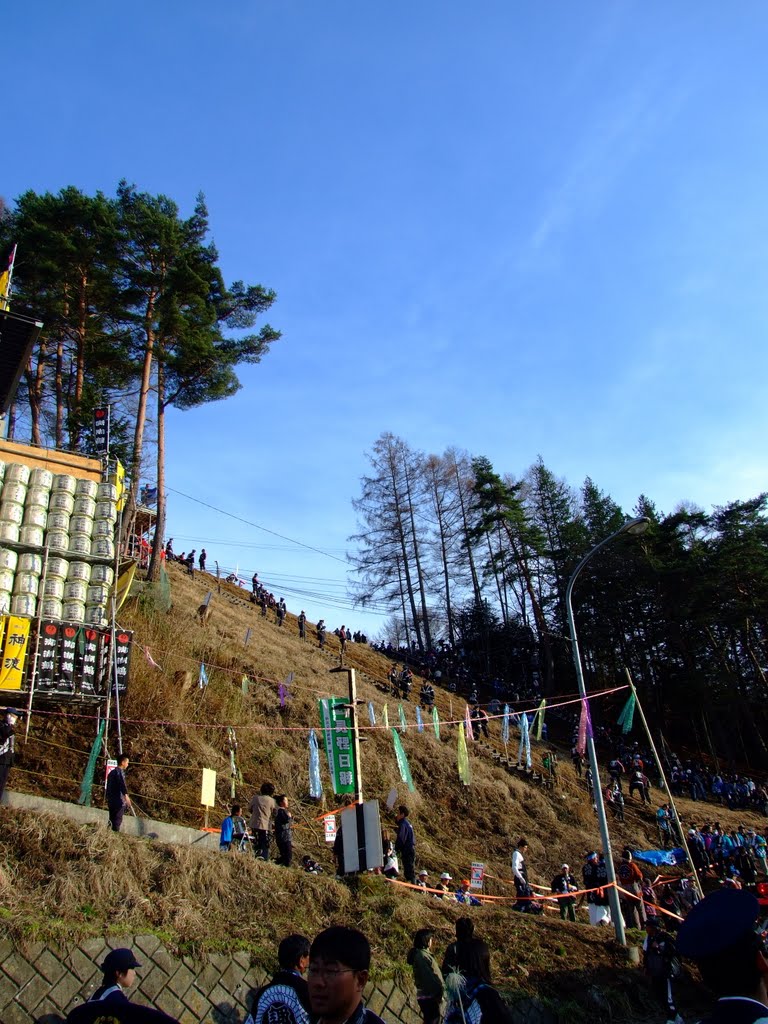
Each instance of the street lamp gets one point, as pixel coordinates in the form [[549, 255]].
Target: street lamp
[[632, 527]]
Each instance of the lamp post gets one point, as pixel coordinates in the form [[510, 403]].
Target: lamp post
[[634, 527]]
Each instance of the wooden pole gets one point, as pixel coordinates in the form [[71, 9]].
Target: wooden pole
[[671, 799]]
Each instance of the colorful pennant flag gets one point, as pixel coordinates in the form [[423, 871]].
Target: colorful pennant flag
[[585, 727], [385, 716], [627, 715], [150, 659], [281, 694], [436, 722], [540, 719], [463, 756], [419, 722], [505, 726], [202, 679], [468, 724], [402, 762], [315, 785], [401, 716], [525, 742], [371, 713]]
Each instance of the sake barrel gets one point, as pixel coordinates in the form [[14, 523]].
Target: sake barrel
[[51, 608], [75, 590], [107, 492], [95, 615], [106, 510], [86, 488], [17, 472], [73, 611], [103, 528], [10, 559], [57, 568], [42, 478], [26, 583], [5, 602], [79, 571], [35, 515], [6, 579], [58, 540], [23, 604], [2, 471], [80, 543], [32, 536], [11, 512], [58, 520], [102, 574], [30, 561], [14, 491], [38, 496], [98, 593], [61, 501], [103, 547], [84, 506], [9, 531], [53, 588], [64, 482], [81, 524]]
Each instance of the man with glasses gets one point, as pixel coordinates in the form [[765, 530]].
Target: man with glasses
[[339, 961]]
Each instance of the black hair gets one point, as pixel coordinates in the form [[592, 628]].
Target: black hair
[[235, 809], [347, 945], [521, 842], [420, 941], [465, 929], [122, 757], [402, 809], [291, 950], [279, 799], [267, 789], [475, 960]]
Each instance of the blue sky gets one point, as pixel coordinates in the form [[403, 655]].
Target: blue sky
[[518, 229]]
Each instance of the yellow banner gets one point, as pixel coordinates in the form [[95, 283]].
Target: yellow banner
[[123, 586], [14, 652], [118, 479], [208, 788]]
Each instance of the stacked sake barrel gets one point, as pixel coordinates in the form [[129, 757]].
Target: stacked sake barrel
[[75, 519]]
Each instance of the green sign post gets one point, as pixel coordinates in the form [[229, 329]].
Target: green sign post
[[337, 729]]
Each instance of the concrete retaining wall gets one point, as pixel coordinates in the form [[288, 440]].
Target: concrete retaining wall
[[39, 983]]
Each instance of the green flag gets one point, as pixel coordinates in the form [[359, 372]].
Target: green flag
[[436, 722], [627, 715], [401, 713], [402, 762], [87, 784]]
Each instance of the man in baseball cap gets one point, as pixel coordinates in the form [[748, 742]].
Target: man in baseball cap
[[109, 1002], [720, 935]]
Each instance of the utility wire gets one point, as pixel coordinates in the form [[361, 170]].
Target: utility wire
[[256, 526]]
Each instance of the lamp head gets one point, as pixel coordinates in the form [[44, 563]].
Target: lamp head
[[635, 527]]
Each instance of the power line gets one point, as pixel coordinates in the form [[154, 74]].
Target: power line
[[256, 526]]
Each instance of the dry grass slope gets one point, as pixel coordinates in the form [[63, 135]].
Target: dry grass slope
[[58, 879]]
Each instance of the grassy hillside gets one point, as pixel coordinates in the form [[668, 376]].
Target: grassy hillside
[[59, 878]]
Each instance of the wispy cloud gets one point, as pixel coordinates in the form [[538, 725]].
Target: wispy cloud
[[613, 141]]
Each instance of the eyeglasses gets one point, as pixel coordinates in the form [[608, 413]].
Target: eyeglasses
[[329, 973]]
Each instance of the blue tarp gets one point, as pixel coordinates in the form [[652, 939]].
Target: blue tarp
[[671, 857]]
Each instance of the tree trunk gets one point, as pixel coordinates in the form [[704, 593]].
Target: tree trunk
[[157, 542], [141, 411]]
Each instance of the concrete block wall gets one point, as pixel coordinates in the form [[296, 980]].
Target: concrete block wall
[[40, 984]]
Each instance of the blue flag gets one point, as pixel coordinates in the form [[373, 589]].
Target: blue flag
[[419, 722], [315, 785], [505, 726], [202, 679], [371, 713]]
